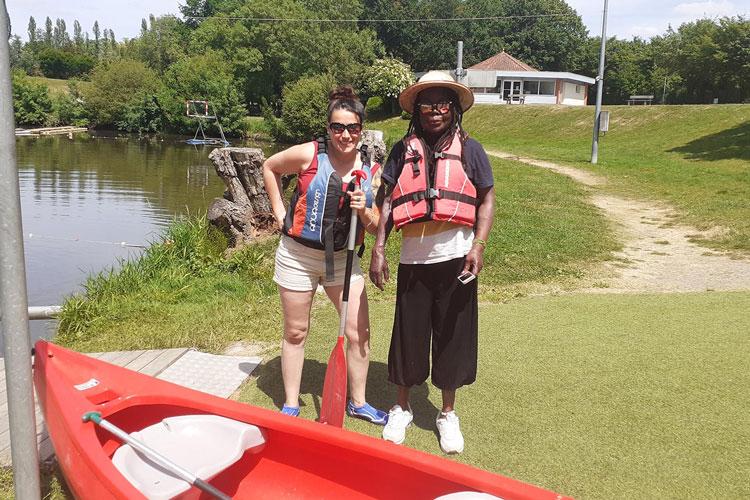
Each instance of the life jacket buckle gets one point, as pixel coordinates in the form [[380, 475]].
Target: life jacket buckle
[[433, 193], [439, 155]]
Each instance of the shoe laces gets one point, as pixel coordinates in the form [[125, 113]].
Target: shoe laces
[[398, 416], [448, 423]]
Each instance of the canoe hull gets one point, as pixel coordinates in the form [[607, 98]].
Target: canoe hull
[[301, 458]]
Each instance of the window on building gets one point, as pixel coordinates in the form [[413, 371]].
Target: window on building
[[546, 88], [579, 89], [530, 87], [538, 87]]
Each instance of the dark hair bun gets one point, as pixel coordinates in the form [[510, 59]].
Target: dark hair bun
[[342, 92]]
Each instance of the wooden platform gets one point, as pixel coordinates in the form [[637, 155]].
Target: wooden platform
[[192, 368], [35, 132]]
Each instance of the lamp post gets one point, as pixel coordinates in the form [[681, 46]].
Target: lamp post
[[13, 299], [599, 89]]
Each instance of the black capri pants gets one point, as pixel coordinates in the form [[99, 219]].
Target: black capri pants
[[435, 314]]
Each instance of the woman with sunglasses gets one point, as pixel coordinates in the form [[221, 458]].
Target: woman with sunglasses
[[438, 190], [312, 248]]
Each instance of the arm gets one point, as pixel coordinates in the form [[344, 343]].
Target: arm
[[485, 216], [379, 273], [290, 161]]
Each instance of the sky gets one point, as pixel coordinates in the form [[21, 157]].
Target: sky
[[625, 18]]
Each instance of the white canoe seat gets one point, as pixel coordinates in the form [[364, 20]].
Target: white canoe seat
[[203, 444], [468, 495]]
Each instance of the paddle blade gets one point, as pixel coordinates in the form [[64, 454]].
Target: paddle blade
[[333, 405]]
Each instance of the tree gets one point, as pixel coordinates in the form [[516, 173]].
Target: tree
[[32, 30], [48, 31], [60, 37], [31, 102], [117, 86], [77, 35], [97, 36], [386, 78], [16, 49], [304, 108], [206, 77]]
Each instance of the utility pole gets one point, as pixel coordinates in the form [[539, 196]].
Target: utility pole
[[599, 89], [13, 298], [460, 73], [664, 93]]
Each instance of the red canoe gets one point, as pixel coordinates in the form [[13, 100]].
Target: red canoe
[[264, 455]]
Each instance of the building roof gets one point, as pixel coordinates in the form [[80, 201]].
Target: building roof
[[503, 62]]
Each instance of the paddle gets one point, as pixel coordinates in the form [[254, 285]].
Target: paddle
[[333, 403], [161, 460]]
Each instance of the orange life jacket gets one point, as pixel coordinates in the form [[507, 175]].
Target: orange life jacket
[[435, 188]]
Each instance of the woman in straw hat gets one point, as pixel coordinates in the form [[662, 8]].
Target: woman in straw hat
[[438, 189]]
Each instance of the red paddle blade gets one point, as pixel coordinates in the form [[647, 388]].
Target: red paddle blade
[[333, 403]]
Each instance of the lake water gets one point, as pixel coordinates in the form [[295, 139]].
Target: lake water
[[89, 201]]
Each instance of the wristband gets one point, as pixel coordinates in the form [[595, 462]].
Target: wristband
[[479, 241]]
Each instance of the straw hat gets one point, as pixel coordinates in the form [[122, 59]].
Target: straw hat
[[435, 79]]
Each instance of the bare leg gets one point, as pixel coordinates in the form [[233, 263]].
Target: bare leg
[[296, 308], [357, 332], [403, 397], [449, 399]]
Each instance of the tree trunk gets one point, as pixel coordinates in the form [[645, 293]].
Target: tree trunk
[[244, 212]]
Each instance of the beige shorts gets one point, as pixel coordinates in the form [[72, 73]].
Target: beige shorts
[[301, 268]]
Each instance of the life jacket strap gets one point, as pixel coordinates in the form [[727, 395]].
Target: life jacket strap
[[459, 197], [443, 155]]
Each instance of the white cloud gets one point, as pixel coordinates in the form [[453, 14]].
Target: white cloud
[[694, 10]]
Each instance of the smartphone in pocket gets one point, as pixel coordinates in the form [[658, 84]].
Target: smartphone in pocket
[[466, 277]]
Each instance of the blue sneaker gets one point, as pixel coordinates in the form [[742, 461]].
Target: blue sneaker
[[290, 410], [367, 412]]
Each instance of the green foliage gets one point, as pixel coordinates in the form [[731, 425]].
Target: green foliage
[[67, 107], [162, 43], [304, 106], [57, 63], [374, 107], [116, 88], [547, 43], [206, 77], [31, 102], [387, 78]]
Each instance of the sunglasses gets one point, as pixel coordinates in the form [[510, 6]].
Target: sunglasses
[[441, 107], [352, 128]]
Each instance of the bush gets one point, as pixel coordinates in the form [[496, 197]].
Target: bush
[[56, 63], [374, 107], [31, 102], [117, 89], [304, 106], [68, 109], [387, 78]]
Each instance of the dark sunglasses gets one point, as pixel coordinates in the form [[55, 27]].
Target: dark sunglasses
[[441, 107], [338, 128]]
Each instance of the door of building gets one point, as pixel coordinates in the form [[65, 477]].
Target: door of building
[[511, 88]]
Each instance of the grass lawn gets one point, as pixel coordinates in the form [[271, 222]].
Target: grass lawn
[[594, 396], [56, 86], [181, 293], [695, 157]]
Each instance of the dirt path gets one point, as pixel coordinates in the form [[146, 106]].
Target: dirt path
[[658, 255]]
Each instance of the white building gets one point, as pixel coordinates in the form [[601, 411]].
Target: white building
[[503, 79]]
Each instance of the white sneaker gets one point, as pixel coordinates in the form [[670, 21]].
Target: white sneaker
[[451, 439], [398, 420]]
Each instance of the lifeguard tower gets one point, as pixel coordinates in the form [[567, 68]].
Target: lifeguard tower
[[203, 111]]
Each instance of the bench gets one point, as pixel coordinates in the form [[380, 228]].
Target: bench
[[640, 99], [515, 99]]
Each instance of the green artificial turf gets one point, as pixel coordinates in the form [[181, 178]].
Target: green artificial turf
[[593, 396]]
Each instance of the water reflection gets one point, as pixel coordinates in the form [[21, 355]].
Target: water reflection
[[92, 200]]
